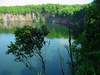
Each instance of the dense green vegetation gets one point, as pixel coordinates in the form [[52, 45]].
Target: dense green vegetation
[[53, 9], [87, 56]]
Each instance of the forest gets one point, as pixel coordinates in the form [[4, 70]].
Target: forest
[[81, 32], [87, 55], [50, 8]]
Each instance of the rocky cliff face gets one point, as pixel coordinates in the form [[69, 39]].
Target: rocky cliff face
[[9, 20], [54, 19]]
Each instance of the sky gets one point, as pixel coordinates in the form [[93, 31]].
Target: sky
[[36, 2]]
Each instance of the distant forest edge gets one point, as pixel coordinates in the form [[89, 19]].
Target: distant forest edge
[[58, 14], [49, 8]]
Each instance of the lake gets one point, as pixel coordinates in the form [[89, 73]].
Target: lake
[[54, 51]]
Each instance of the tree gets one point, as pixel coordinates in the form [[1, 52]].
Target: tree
[[29, 42], [88, 61]]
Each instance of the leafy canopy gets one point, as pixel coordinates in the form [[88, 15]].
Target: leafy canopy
[[29, 41]]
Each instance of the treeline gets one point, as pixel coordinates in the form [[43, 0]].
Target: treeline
[[54, 9]]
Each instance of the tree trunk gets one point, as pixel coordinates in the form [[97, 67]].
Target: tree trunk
[[43, 63], [71, 56]]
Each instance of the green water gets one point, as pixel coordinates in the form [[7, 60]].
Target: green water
[[56, 30]]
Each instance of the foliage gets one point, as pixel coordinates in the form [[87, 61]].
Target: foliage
[[88, 55], [53, 9], [28, 43], [78, 20]]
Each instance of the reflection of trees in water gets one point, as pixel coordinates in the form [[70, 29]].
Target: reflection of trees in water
[[29, 42]]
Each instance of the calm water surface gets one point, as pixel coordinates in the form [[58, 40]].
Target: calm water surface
[[54, 53]]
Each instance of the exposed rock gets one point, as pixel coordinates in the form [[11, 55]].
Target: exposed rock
[[11, 19]]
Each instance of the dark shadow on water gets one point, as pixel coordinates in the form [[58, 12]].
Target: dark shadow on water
[[6, 72], [27, 72]]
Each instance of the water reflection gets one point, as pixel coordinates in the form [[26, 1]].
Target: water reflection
[[56, 30], [50, 51]]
